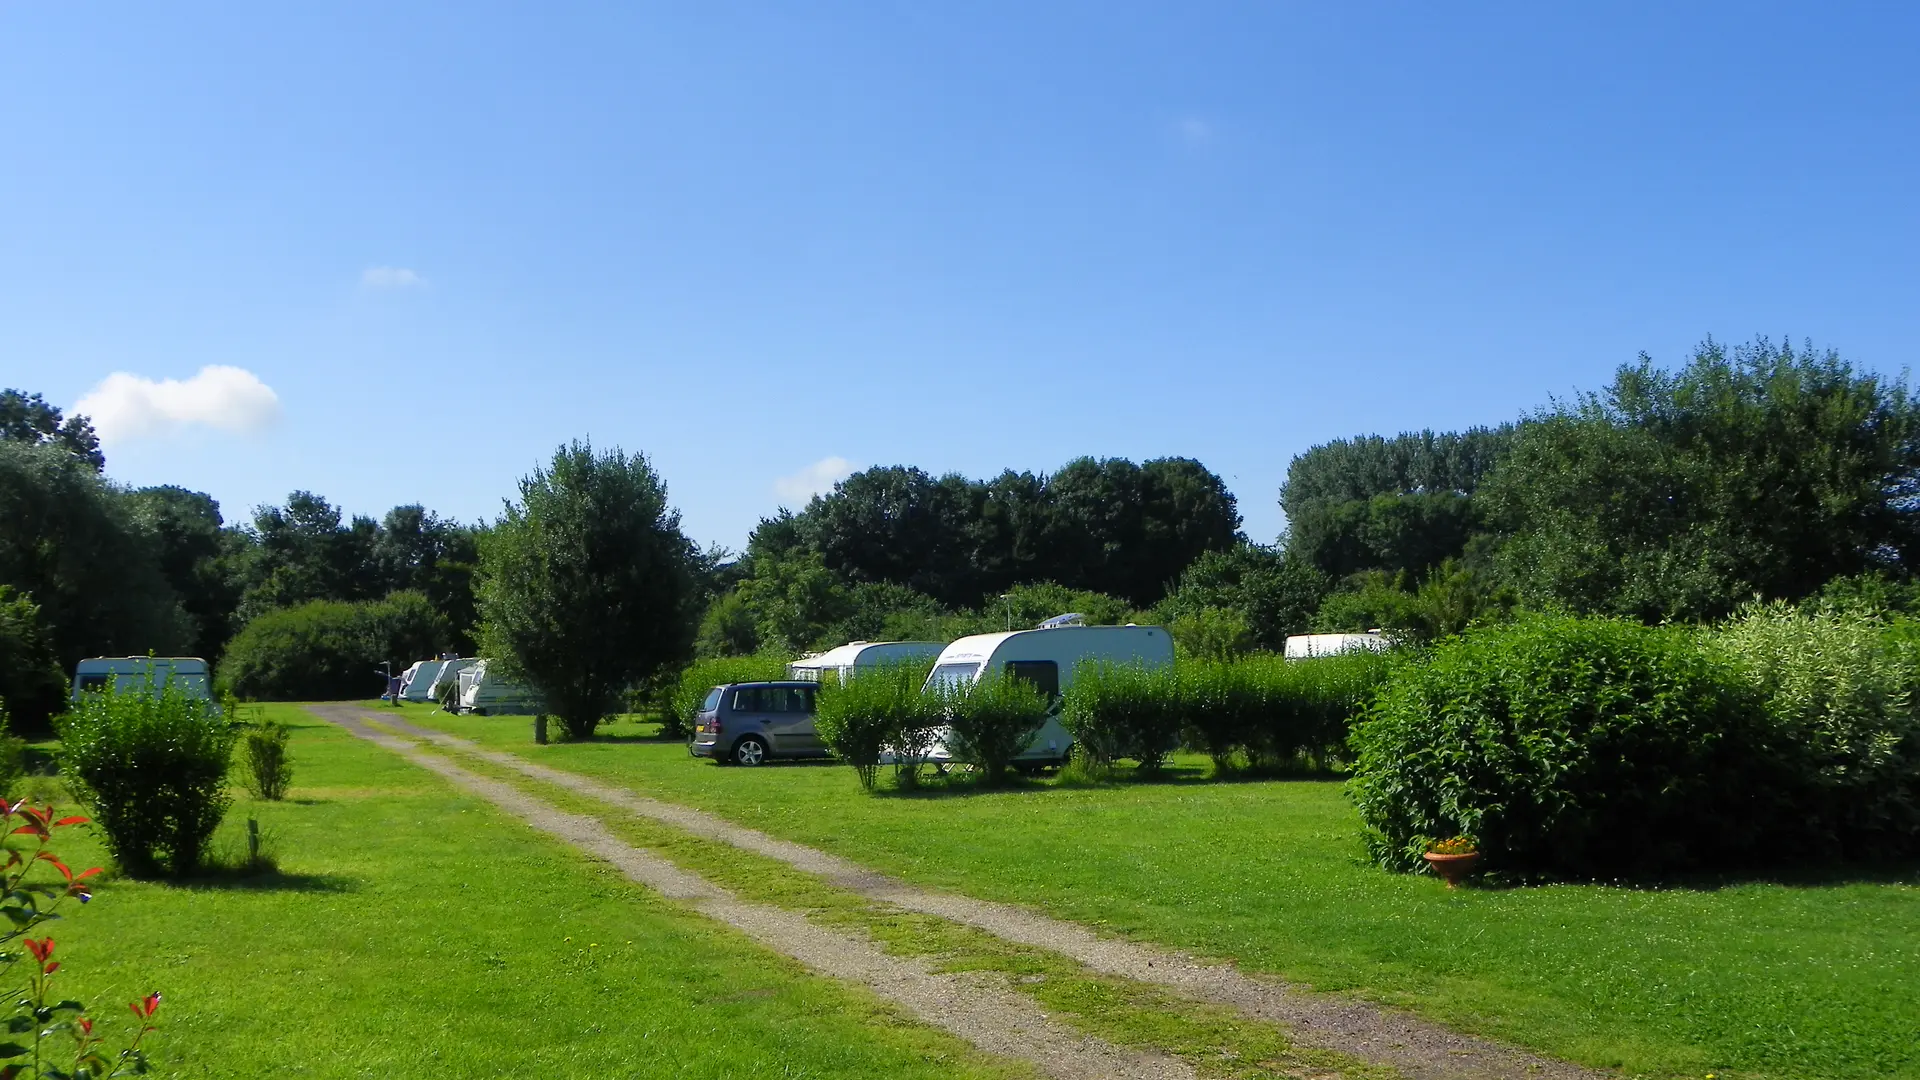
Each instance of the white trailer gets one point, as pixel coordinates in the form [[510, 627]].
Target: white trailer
[[491, 695], [448, 675], [131, 674], [417, 683], [837, 662], [1307, 646], [1048, 657]]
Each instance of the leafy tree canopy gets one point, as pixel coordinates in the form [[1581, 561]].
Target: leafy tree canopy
[[1760, 470], [586, 585], [27, 418]]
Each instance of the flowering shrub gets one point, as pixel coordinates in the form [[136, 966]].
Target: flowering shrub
[[37, 1015]]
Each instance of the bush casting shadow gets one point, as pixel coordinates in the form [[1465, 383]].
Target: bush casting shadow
[[240, 879]]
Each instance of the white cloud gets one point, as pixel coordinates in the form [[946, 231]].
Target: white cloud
[[816, 479], [390, 277], [127, 406]]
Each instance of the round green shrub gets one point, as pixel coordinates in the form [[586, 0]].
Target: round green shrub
[[329, 651], [1571, 747], [150, 766]]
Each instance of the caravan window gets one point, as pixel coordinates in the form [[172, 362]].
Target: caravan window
[[953, 676], [1043, 674], [92, 682]]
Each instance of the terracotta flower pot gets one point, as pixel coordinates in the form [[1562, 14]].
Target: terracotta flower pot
[[1453, 869]]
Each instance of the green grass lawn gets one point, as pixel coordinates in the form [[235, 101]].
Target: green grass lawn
[[416, 932], [1742, 979]]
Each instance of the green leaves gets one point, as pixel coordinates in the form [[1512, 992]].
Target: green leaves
[[586, 585], [151, 768]]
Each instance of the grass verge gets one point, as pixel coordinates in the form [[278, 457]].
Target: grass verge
[[1216, 1041], [1812, 977], [411, 930]]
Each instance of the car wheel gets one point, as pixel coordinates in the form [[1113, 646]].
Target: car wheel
[[750, 751]]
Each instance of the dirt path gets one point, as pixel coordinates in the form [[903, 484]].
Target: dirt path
[[1420, 1049], [973, 1006]]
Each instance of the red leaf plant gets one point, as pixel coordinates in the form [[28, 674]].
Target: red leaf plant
[[37, 1015]]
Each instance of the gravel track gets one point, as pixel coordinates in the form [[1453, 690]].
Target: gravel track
[[973, 1006], [1420, 1049]]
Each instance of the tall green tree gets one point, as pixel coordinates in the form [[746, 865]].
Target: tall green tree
[[74, 543], [306, 551], [1269, 592], [1393, 504], [587, 585], [33, 685], [1761, 470], [27, 418], [417, 549], [199, 556]]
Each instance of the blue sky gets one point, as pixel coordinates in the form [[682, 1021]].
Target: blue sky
[[437, 240]]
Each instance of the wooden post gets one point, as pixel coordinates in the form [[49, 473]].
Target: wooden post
[[540, 728]]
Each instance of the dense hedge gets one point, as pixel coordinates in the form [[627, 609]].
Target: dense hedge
[[1573, 747], [1261, 711], [1123, 711], [329, 651]]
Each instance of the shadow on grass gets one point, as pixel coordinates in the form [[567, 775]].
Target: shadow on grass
[[243, 879], [1832, 874], [961, 784]]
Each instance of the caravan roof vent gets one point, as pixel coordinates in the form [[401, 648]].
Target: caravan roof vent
[[1071, 618]]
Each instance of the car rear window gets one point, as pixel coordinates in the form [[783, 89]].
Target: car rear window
[[712, 702]]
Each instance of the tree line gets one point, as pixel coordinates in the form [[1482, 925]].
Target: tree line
[[1668, 495]]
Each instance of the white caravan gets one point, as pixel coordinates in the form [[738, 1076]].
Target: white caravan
[[418, 680], [1307, 646], [839, 661], [187, 674], [491, 695], [448, 675], [1048, 657]]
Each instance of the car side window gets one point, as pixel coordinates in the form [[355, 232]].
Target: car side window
[[747, 700]]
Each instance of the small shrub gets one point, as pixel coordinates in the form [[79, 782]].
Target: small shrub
[[1123, 710], [877, 710], [151, 767], [703, 675], [1569, 747], [269, 769], [993, 720]]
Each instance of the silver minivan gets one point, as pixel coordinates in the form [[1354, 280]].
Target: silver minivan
[[749, 723]]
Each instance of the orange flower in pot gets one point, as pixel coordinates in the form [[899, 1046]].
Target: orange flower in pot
[[1453, 859]]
